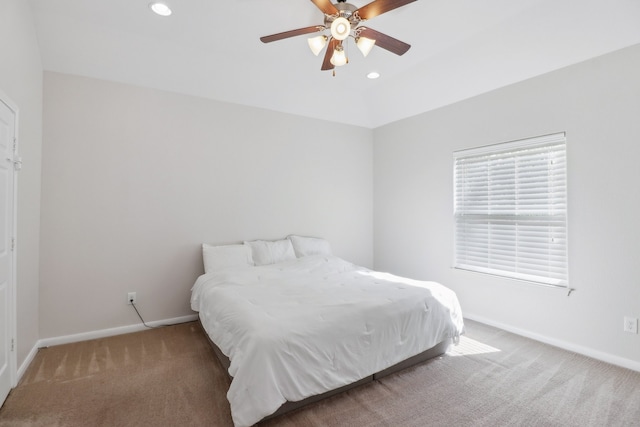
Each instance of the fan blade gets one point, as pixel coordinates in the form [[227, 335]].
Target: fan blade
[[384, 41], [326, 7], [378, 7], [292, 33], [326, 64]]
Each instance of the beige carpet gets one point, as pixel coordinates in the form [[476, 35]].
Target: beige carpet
[[170, 377]]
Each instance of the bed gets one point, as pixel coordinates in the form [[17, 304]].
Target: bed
[[293, 322]]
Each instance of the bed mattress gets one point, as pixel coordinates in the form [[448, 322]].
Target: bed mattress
[[303, 327]]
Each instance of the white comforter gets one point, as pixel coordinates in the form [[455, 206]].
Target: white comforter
[[303, 327]]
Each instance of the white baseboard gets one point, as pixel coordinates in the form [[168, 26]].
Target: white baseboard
[[585, 351], [84, 336], [25, 364]]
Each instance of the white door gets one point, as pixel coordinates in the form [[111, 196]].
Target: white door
[[7, 138]]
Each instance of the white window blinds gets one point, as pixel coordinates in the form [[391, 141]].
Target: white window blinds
[[510, 209]]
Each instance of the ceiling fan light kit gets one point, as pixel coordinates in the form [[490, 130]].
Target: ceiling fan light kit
[[339, 58], [343, 20], [365, 45], [316, 44], [340, 28]]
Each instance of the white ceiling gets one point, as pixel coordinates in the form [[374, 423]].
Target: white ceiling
[[207, 48]]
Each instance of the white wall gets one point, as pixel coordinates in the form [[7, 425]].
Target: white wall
[[134, 180], [21, 80], [598, 104]]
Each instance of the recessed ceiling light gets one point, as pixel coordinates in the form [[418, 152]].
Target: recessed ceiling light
[[373, 75], [160, 8]]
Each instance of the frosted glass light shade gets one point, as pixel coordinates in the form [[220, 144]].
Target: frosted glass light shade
[[365, 45], [340, 28], [338, 58], [316, 44]]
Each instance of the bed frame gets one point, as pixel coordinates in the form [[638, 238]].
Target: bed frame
[[434, 351]]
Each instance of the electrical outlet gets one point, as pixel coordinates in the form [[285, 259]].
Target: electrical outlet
[[631, 325], [131, 298]]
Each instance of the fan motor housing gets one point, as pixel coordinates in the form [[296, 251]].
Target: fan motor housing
[[345, 10]]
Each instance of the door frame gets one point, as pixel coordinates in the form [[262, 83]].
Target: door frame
[[13, 359]]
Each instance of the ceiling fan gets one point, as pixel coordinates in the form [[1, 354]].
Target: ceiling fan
[[343, 20]]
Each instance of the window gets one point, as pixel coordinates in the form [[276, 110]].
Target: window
[[510, 209]]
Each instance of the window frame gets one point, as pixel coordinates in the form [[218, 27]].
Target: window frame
[[516, 222]]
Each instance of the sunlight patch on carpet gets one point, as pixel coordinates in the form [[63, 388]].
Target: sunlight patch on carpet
[[469, 347]]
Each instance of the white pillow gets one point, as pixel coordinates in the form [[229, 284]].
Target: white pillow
[[305, 246], [221, 257], [265, 252]]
